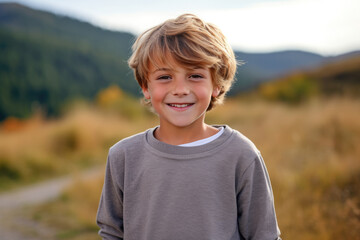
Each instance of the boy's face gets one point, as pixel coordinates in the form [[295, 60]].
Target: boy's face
[[180, 95]]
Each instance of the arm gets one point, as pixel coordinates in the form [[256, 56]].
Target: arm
[[110, 211], [256, 212]]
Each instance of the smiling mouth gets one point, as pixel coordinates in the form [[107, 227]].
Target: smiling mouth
[[180, 105]]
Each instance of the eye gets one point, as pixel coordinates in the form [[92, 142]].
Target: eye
[[164, 77], [196, 76]]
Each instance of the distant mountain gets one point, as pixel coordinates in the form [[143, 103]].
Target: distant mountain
[[262, 67], [47, 60], [270, 65]]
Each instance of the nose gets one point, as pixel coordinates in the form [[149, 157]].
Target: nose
[[180, 87]]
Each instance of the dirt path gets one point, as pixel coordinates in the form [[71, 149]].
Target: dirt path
[[15, 222]]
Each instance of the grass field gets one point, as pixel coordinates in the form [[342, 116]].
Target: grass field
[[36, 149], [311, 151]]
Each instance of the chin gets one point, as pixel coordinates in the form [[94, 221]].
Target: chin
[[183, 124]]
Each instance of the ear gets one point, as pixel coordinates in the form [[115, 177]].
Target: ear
[[215, 92], [146, 93]]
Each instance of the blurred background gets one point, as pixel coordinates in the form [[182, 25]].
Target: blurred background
[[67, 95]]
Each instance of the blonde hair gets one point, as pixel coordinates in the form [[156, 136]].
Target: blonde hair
[[190, 41]]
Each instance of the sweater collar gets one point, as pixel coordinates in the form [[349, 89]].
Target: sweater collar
[[178, 152]]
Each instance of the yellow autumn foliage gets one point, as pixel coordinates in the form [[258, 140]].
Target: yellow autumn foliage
[[109, 96], [293, 89]]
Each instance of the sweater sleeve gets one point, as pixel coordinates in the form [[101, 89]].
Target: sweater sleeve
[[110, 211], [256, 212]]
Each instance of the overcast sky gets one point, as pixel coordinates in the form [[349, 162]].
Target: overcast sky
[[328, 27]]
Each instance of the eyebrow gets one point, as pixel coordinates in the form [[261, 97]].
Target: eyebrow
[[161, 69], [169, 69]]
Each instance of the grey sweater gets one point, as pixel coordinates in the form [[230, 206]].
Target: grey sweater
[[155, 191]]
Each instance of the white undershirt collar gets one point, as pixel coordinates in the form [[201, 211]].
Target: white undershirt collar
[[205, 140]]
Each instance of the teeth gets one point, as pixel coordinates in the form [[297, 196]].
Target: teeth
[[179, 105]]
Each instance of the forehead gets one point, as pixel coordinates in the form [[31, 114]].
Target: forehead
[[169, 62], [174, 67]]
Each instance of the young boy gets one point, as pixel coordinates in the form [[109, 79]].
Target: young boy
[[185, 179]]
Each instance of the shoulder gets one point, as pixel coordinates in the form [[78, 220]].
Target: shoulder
[[130, 144], [242, 145], [242, 150]]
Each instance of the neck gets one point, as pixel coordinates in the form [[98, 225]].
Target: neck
[[180, 135]]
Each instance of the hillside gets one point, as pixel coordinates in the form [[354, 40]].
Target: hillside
[[51, 27], [335, 78], [48, 60], [311, 152], [339, 78], [262, 67]]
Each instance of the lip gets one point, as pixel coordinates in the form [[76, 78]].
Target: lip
[[180, 106]]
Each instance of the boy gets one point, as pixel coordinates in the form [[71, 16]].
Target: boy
[[185, 179]]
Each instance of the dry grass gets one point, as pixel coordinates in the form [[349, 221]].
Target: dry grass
[[73, 214], [311, 151], [36, 149], [313, 159]]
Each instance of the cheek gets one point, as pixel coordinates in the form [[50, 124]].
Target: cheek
[[157, 94], [204, 92]]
